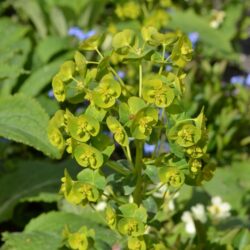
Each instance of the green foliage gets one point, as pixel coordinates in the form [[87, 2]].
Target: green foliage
[[45, 178], [24, 120]]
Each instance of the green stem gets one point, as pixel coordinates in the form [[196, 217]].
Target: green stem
[[138, 168], [118, 77], [162, 57], [99, 53], [116, 168], [92, 62], [140, 80], [155, 189], [129, 153]]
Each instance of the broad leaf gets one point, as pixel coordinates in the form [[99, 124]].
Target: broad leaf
[[45, 177], [23, 120]]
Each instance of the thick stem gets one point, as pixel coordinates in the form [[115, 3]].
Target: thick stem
[[138, 168]]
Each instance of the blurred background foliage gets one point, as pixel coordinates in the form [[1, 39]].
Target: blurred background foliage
[[36, 39]]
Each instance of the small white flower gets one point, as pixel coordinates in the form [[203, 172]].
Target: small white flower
[[219, 210], [100, 206], [199, 212], [189, 222]]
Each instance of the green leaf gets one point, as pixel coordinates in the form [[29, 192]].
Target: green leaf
[[237, 177], [43, 197], [152, 172], [91, 43], [95, 112], [23, 120], [54, 222], [35, 83], [32, 241], [242, 239], [136, 104], [217, 44], [131, 210], [50, 46], [45, 177], [92, 177], [123, 40], [14, 51], [33, 10]]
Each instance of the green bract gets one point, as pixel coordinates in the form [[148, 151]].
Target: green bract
[[106, 93], [88, 156], [143, 123], [123, 41], [157, 92], [67, 70], [185, 133], [172, 176], [58, 88], [83, 127], [77, 192], [81, 65], [131, 227], [136, 244], [110, 217], [78, 240], [119, 132]]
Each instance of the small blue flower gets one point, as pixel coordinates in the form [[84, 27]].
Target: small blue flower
[[168, 68], [248, 80], [50, 94], [79, 34], [194, 38], [237, 79], [121, 74], [90, 33], [149, 148]]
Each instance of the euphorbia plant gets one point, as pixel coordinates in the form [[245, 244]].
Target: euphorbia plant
[[118, 117]]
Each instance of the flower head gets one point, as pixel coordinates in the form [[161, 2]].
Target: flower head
[[189, 222], [79, 34], [194, 37], [199, 212], [219, 210], [237, 79]]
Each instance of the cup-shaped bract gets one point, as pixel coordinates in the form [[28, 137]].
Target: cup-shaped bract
[[88, 156]]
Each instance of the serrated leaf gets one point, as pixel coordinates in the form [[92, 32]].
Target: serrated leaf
[[54, 222], [32, 241], [23, 120]]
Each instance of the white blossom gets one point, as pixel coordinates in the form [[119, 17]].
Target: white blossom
[[219, 210], [199, 213], [189, 222], [100, 206]]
